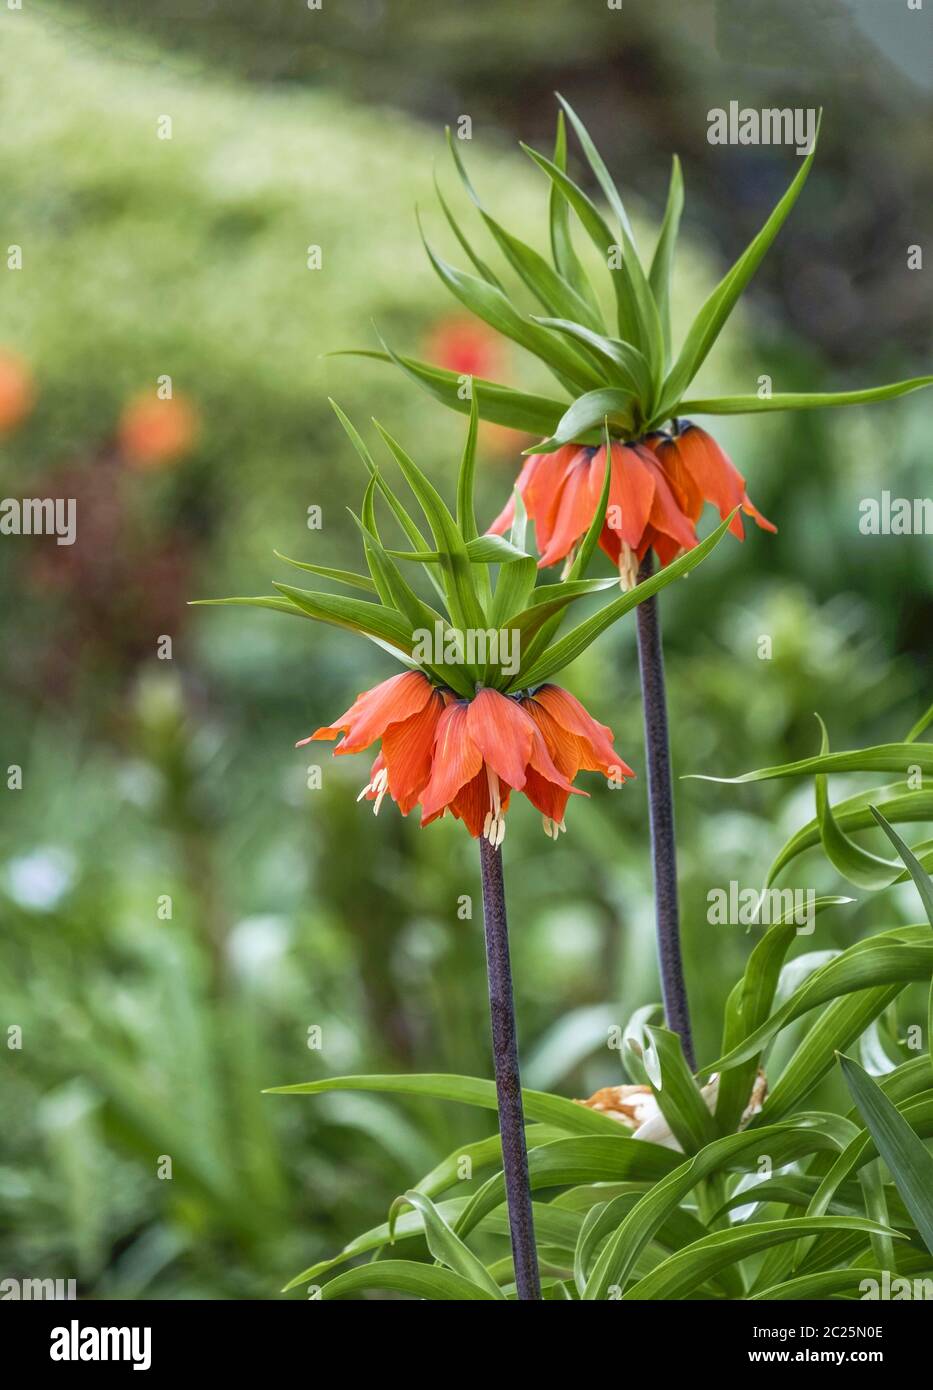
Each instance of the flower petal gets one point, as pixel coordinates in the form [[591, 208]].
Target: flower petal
[[595, 752], [408, 749], [374, 710], [713, 472], [668, 512], [505, 518], [503, 733], [573, 511], [456, 760], [631, 493]]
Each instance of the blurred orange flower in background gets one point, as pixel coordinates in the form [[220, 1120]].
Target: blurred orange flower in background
[[153, 432], [17, 391], [469, 348], [464, 346]]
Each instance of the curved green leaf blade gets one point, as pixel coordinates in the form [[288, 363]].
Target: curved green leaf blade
[[443, 1244], [802, 400], [659, 277], [576, 641], [711, 319], [468, 1090], [859, 866], [682, 1272], [501, 405], [431, 1282], [908, 1160]]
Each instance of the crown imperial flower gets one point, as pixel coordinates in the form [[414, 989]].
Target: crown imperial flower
[[469, 723], [468, 756], [632, 385]]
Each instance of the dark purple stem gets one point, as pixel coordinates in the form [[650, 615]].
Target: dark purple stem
[[661, 803], [508, 1081]]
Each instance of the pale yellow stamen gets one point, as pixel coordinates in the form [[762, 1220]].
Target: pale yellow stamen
[[379, 785], [628, 567], [553, 828], [494, 824]]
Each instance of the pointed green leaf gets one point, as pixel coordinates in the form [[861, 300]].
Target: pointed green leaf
[[354, 581], [577, 641], [676, 1090], [623, 362], [801, 400], [278, 605], [821, 1285], [909, 1162], [922, 880], [443, 1244], [352, 613], [711, 319], [431, 1282], [859, 866], [566, 260], [682, 1272], [748, 1007], [783, 1143], [405, 521], [468, 1090], [882, 757], [587, 547], [631, 328], [922, 724], [553, 293], [466, 515], [878, 961], [501, 405], [462, 600], [659, 277], [488, 275], [491, 305], [603, 176], [854, 813], [586, 412]]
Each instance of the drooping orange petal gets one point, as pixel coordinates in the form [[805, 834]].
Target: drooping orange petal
[[563, 746], [371, 714], [662, 545], [505, 518], [503, 733], [714, 473], [456, 760], [539, 484], [596, 752], [631, 494], [573, 512], [667, 507], [549, 799], [543, 493], [408, 749], [751, 510], [610, 544], [677, 473], [472, 802]]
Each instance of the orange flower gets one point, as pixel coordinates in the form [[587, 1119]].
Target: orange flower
[[704, 472], [17, 391], [465, 346], [656, 493], [468, 756], [153, 432]]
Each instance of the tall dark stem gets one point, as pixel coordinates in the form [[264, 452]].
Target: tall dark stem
[[508, 1081], [661, 802]]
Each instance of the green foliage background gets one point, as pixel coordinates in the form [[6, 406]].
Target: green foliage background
[[291, 909]]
